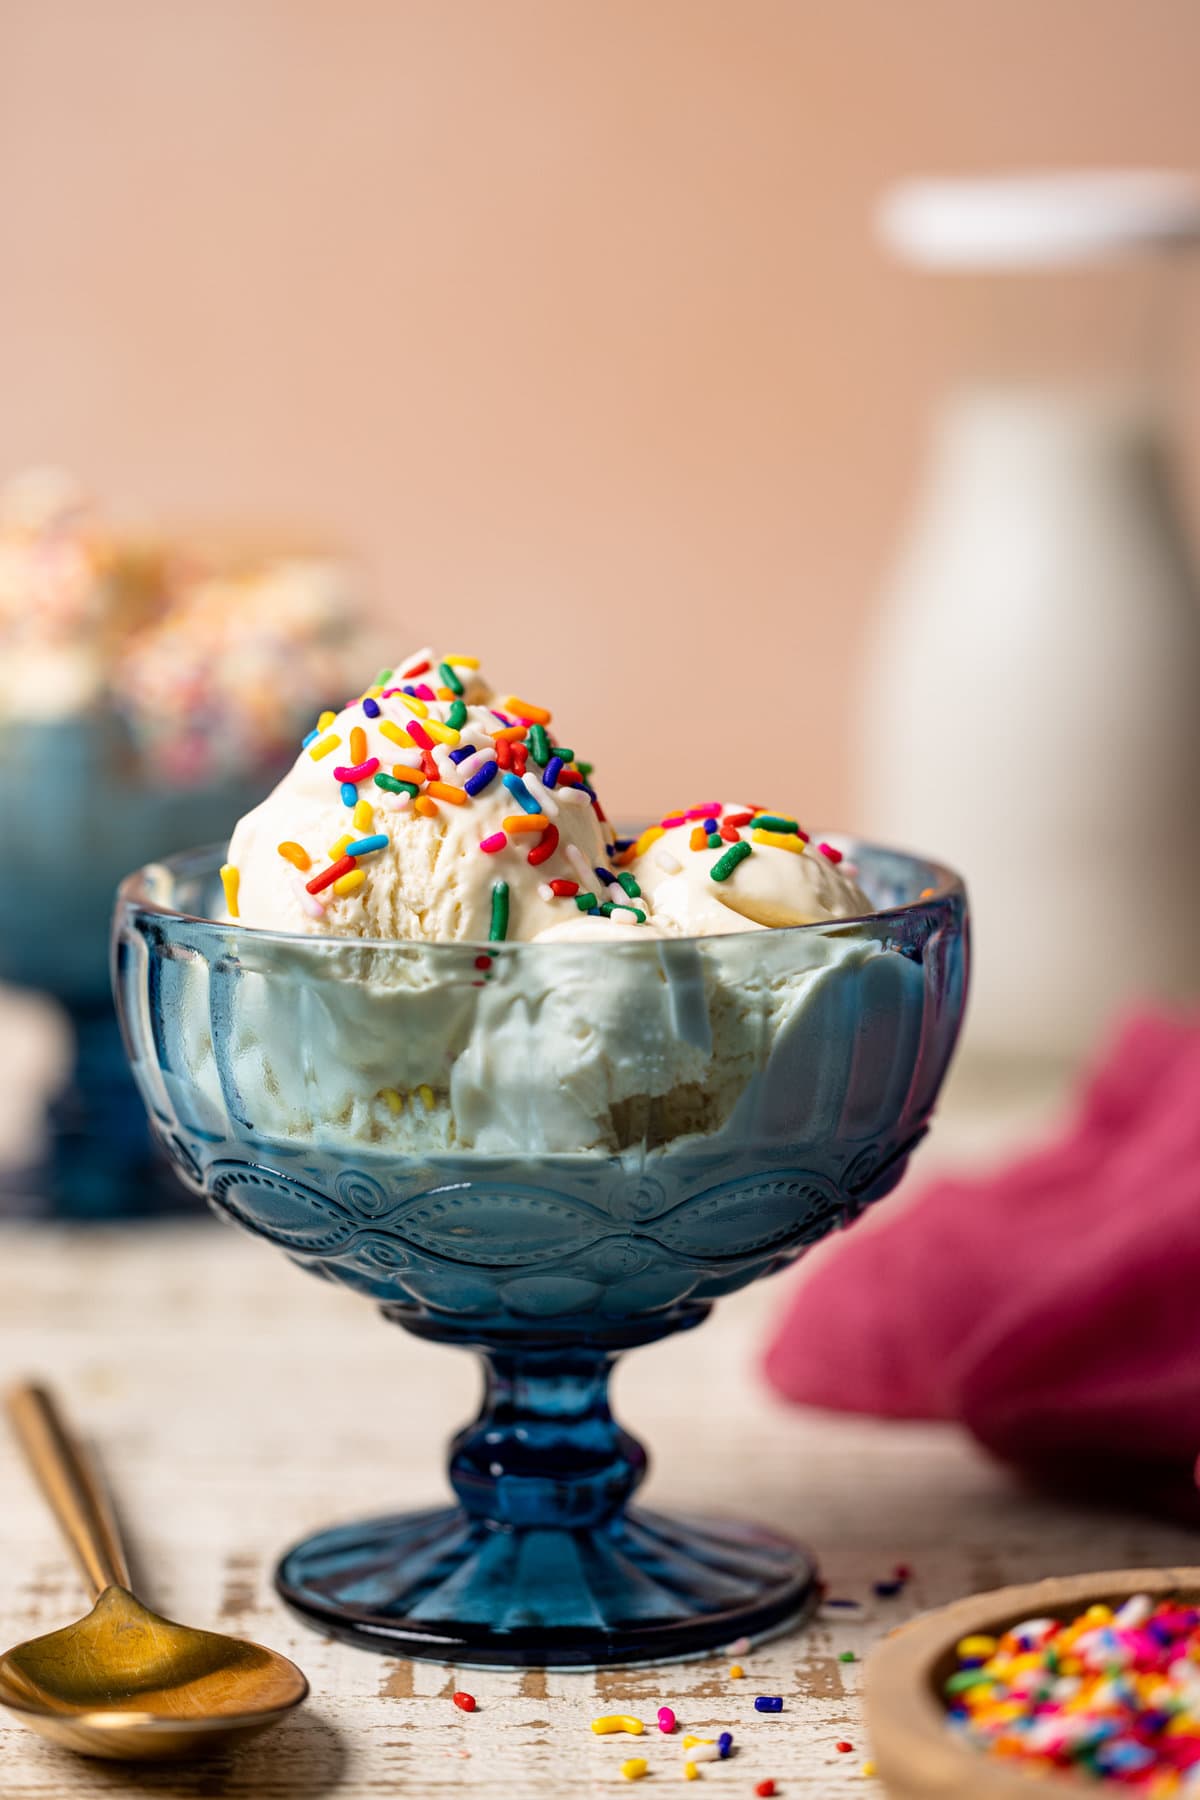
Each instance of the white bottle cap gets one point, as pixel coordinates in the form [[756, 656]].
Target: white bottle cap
[[1050, 220]]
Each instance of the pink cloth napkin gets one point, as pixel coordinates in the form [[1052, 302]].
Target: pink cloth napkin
[[1053, 1308]]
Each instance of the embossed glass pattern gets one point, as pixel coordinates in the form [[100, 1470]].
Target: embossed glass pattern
[[550, 1153]]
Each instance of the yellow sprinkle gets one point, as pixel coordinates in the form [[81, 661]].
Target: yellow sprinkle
[[868, 1770], [690, 1771], [323, 746], [462, 662], [326, 720], [736, 1671], [648, 837], [394, 1099], [610, 1722], [691, 1739], [396, 734], [415, 706], [978, 1646], [780, 840], [373, 693], [634, 1767], [296, 854], [363, 815], [426, 1093], [443, 734], [358, 745], [229, 881], [349, 884], [425, 806], [338, 848]]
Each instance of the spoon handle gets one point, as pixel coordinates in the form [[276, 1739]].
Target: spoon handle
[[69, 1484]]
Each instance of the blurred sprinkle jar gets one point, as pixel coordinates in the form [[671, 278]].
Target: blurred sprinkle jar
[[141, 710], [1042, 612]]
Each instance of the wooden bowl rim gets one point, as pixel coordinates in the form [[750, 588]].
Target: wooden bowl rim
[[914, 1751]]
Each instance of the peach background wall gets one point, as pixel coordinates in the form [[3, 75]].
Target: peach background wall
[[566, 312]]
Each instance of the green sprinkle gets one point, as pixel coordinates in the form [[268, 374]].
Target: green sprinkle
[[392, 786], [773, 822], [586, 902], [585, 769], [456, 717], [568, 756], [724, 866], [449, 678], [615, 906], [629, 884], [715, 840], [382, 679], [968, 1678], [539, 744], [847, 1656], [499, 926]]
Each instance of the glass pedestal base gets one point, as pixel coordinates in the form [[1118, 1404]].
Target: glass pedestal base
[[445, 1587]]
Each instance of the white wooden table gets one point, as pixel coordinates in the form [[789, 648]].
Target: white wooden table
[[239, 1404]]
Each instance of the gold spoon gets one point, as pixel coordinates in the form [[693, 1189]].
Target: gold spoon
[[125, 1683]]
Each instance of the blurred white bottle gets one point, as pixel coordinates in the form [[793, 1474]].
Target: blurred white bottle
[[1031, 706]]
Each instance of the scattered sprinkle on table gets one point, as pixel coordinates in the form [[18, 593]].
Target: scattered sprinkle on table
[[768, 1703], [634, 1768], [607, 1723], [736, 1671], [465, 1702], [847, 1656], [666, 1720], [842, 1747], [765, 1789]]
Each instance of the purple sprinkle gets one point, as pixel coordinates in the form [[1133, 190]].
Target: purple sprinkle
[[503, 717], [724, 1744], [552, 771], [481, 778], [462, 753], [371, 708]]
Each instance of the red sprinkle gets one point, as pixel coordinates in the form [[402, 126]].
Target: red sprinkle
[[835, 856], [765, 1788], [545, 847], [520, 754], [411, 674], [357, 771], [430, 767], [483, 962], [418, 734], [333, 873], [739, 819], [844, 1747], [504, 753], [570, 778], [564, 889], [731, 834], [465, 1701]]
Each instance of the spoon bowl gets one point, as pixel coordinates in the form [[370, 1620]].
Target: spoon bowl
[[124, 1682]]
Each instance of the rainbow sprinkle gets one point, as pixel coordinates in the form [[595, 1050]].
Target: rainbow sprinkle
[[230, 881], [724, 866], [498, 929]]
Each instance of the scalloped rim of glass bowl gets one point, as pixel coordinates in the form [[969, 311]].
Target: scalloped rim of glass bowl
[[134, 891]]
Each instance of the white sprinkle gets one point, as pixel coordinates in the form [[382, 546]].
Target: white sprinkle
[[409, 759], [470, 765], [313, 907], [1136, 1610], [587, 877], [545, 797], [545, 891], [446, 769], [398, 802], [666, 861], [701, 1753], [573, 796]]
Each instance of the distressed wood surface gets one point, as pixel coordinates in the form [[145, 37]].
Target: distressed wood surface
[[239, 1404]]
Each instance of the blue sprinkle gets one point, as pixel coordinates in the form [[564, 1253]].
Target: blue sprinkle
[[768, 1703], [365, 845], [552, 771], [476, 783], [462, 753], [710, 825], [724, 1744], [410, 690], [624, 844], [520, 793], [606, 875], [313, 734], [887, 1590], [349, 793], [371, 708]]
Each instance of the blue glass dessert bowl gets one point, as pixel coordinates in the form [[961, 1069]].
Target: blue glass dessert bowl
[[548, 1153]]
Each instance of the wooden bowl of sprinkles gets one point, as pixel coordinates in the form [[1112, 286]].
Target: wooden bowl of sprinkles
[[916, 1753]]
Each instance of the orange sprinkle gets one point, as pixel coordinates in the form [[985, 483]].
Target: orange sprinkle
[[509, 733], [526, 822], [296, 854], [532, 715], [442, 790], [396, 734], [444, 693], [925, 893], [425, 806], [358, 745], [699, 838], [402, 772]]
